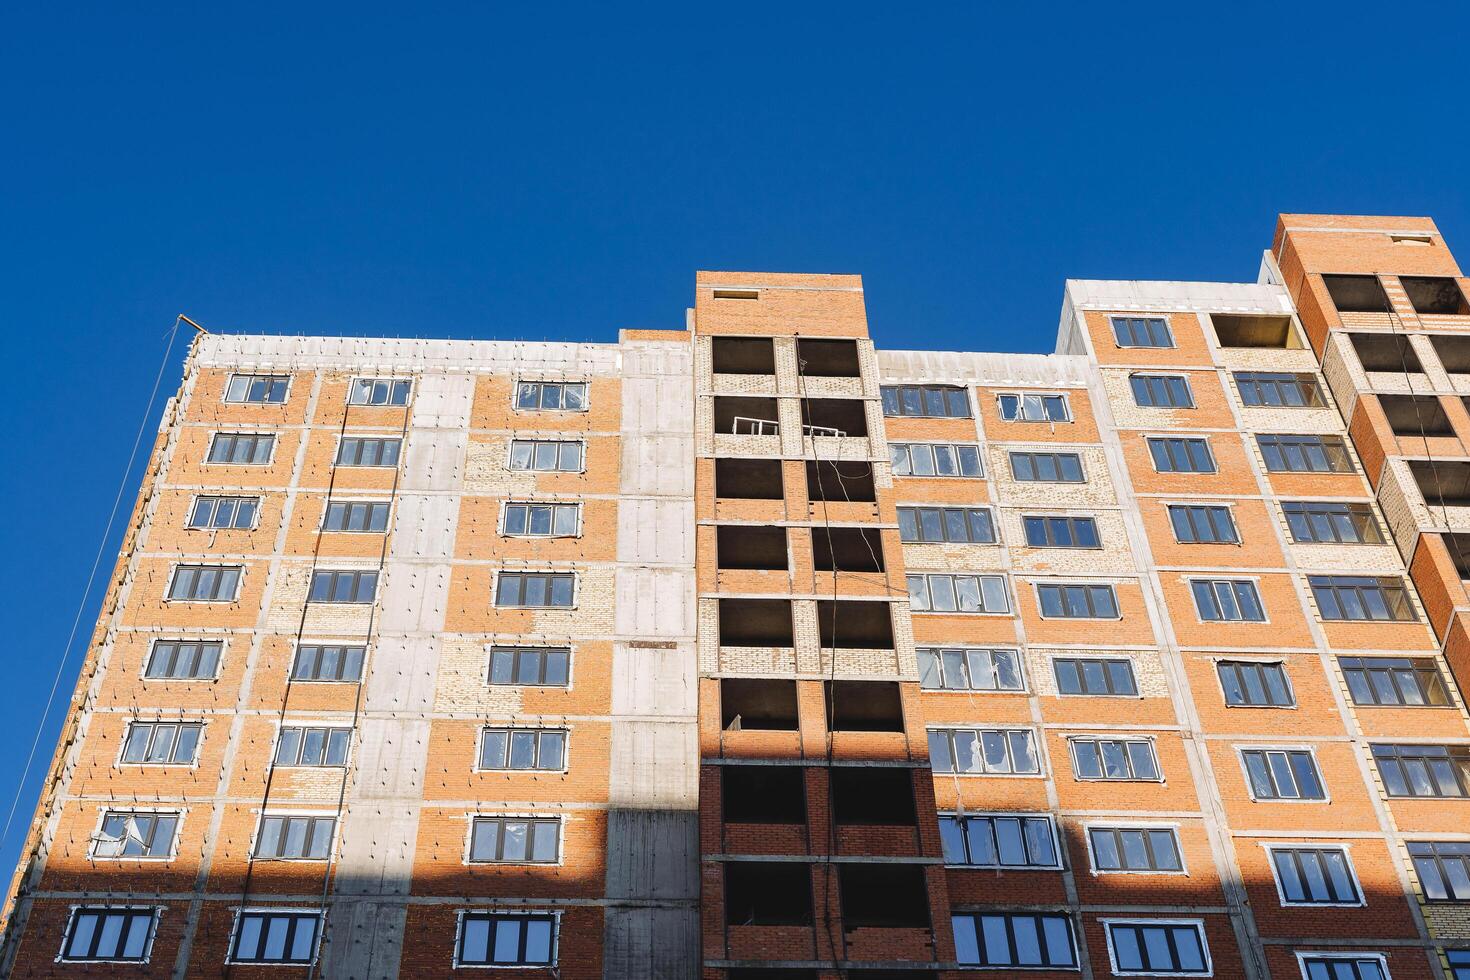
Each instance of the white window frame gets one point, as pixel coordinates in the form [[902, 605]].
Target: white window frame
[[992, 649], [274, 437], [1067, 416], [554, 960], [469, 835], [316, 944], [1038, 746], [260, 818], [75, 907], [1242, 747], [1168, 325], [120, 806], [352, 389], [1302, 955], [219, 665], [1009, 609], [213, 495], [508, 503], [128, 727], [224, 395], [1126, 823], [515, 387], [1107, 922], [510, 445], [1271, 847], [1057, 843], [329, 501]]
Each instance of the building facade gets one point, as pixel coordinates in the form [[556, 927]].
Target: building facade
[[750, 651]]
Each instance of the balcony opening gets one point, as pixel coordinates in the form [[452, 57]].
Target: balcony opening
[[743, 355], [873, 795], [1242, 330], [1458, 546], [768, 893], [757, 704], [763, 794], [749, 479], [847, 549], [1453, 352], [746, 416], [755, 622], [1413, 415], [828, 358], [833, 481], [863, 706], [834, 417], [1357, 294], [750, 546], [1435, 294], [1443, 483], [855, 624], [889, 896], [1386, 352]]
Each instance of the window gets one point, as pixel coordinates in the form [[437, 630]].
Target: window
[[1102, 676], [1459, 961], [257, 389], [1175, 455], [343, 586], [1283, 774], [135, 834], [241, 448], [523, 748], [1142, 331], [205, 583], [1161, 391], [1304, 454], [1424, 770], [1443, 868], [1061, 532], [1409, 681], [515, 840], [275, 937], [214, 513], [298, 746], [356, 515], [379, 391], [546, 455], [970, 670], [984, 750], [1158, 947], [1034, 408], [1344, 967], [157, 743], [1114, 758], [551, 396], [1315, 876], [357, 451], [1257, 685], [1078, 601], [1269, 389], [1312, 523], [965, 525], [328, 662], [1227, 601], [1018, 939], [1000, 841], [926, 401], [1352, 597], [1197, 524], [1153, 849], [493, 939], [183, 660], [294, 838], [542, 520], [1047, 467], [109, 934], [958, 593], [535, 590], [533, 666], [934, 459]]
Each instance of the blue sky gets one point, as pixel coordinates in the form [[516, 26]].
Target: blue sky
[[482, 170]]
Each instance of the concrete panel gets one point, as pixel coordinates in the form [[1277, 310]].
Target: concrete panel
[[654, 766], [443, 401], [391, 754], [434, 460], [652, 681], [650, 943], [659, 465], [363, 941], [424, 526], [656, 531], [654, 602], [402, 673], [659, 856], [414, 597]]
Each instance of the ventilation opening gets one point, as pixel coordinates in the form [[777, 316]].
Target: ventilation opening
[[749, 479], [828, 358], [834, 417], [1435, 294], [737, 294], [747, 546], [1409, 414], [1442, 483], [763, 794], [828, 480], [1237, 330], [1386, 352], [851, 624], [864, 706], [746, 416], [873, 795], [892, 896], [847, 549], [768, 893], [755, 622], [1357, 294], [1411, 239], [743, 355], [1453, 353], [757, 703], [1459, 549]]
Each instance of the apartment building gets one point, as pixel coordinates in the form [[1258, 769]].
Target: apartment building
[[751, 651]]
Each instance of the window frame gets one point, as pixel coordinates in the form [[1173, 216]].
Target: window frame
[[510, 453], [1147, 376], [1189, 510], [1105, 659], [475, 817], [979, 730], [175, 568], [1091, 606], [514, 650], [229, 382], [1250, 581], [348, 504], [1197, 924], [392, 382], [320, 645], [541, 383], [936, 654], [216, 498], [506, 505], [1240, 754], [1149, 740], [1305, 956], [119, 808], [304, 727], [201, 642], [1384, 585], [1439, 862], [1458, 760], [155, 914], [979, 578], [1418, 673], [1238, 662], [1164, 319], [1329, 445], [1272, 847], [1147, 826], [898, 400], [1030, 455], [1259, 381], [1214, 463], [296, 913], [907, 446], [510, 729], [215, 436], [1019, 403], [358, 575], [966, 510], [154, 723], [285, 816], [551, 575], [991, 815], [381, 441], [1010, 914], [493, 914], [1070, 521], [1308, 510]]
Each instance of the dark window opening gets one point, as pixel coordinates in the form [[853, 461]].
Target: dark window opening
[[1357, 294], [828, 358], [874, 796], [768, 893], [833, 481], [746, 416], [757, 703], [1386, 352], [1459, 548], [1444, 483], [1435, 294], [891, 896], [847, 549], [1454, 352], [755, 622], [763, 794], [743, 355], [864, 706], [1412, 415], [855, 624], [775, 973], [750, 546], [1241, 330], [834, 416], [749, 479]]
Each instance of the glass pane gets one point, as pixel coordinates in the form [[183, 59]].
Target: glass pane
[[538, 941], [1105, 851], [485, 840]]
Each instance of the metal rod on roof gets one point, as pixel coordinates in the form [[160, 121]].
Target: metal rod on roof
[[192, 323]]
